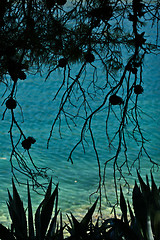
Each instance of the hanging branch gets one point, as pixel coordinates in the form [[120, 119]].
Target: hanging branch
[[38, 33]]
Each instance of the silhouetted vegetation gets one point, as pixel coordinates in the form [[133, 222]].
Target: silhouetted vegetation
[[59, 34], [142, 222]]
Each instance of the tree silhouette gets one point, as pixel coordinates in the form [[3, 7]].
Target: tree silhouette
[[60, 34]]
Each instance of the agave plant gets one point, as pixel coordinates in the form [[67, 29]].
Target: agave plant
[[141, 223], [44, 226], [146, 200], [85, 228]]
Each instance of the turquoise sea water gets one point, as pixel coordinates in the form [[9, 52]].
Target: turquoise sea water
[[77, 181]]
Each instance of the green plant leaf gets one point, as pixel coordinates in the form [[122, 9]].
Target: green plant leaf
[[140, 208], [123, 206], [20, 209], [46, 212], [70, 229], [16, 223], [154, 186], [61, 228], [30, 215], [87, 218], [10, 197], [79, 229], [52, 228], [75, 223], [155, 194], [38, 222], [156, 225], [133, 224], [130, 212], [41, 211], [155, 208], [147, 181], [149, 232], [48, 192], [17, 213], [144, 187]]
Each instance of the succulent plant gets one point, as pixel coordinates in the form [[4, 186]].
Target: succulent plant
[[80, 230], [144, 220], [45, 226], [140, 222]]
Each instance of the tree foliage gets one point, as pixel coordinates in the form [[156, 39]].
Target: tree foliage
[[61, 34]]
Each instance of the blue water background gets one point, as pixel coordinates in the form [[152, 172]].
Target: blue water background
[[77, 181]]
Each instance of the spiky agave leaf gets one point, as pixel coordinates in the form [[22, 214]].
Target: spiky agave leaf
[[38, 211], [44, 212], [38, 222], [30, 215], [88, 217], [155, 193], [19, 207], [131, 212], [53, 227], [47, 210], [156, 225], [144, 187], [80, 229], [147, 181], [76, 229], [48, 193], [60, 232], [69, 229], [155, 208], [133, 223], [142, 213], [17, 213], [123, 206], [153, 184]]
